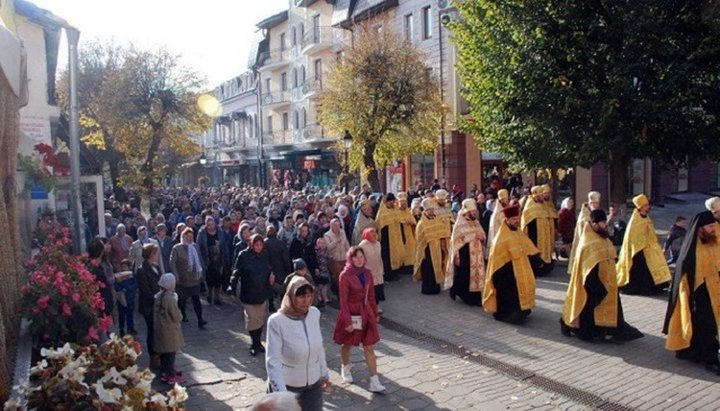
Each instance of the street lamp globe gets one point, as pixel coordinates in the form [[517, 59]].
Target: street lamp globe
[[347, 140], [203, 160]]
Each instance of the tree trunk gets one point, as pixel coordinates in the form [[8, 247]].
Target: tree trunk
[[113, 159], [148, 167], [618, 179], [369, 163]]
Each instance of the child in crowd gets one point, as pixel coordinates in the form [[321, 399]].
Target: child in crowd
[[322, 273], [301, 270], [675, 239], [126, 290], [167, 332]]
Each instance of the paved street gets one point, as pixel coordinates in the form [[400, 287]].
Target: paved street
[[439, 354]]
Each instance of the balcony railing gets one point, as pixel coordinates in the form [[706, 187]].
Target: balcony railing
[[272, 57], [313, 132], [321, 36], [279, 97], [311, 86], [283, 137]]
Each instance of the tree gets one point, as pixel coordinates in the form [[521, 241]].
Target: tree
[[384, 95], [135, 105], [555, 84]]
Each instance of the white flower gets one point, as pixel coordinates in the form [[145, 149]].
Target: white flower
[[127, 408], [113, 376], [13, 404], [107, 396], [159, 399], [23, 387], [39, 367], [130, 352], [145, 386], [130, 372], [54, 354], [74, 370], [177, 395]]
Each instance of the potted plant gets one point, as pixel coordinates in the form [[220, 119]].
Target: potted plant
[[94, 377]]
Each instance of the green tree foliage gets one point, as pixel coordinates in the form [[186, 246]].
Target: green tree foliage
[[383, 93], [137, 107], [562, 83]]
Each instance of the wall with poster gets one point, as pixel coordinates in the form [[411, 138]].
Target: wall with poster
[[395, 177]]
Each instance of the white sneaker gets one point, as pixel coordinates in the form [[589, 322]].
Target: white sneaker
[[380, 311], [346, 374], [375, 385]]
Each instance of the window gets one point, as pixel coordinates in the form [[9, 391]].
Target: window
[[427, 22], [283, 81], [304, 117], [294, 78], [269, 124], [316, 28], [302, 33], [267, 86], [286, 123], [408, 28], [318, 69], [296, 120], [282, 41], [251, 127], [303, 75], [293, 37]]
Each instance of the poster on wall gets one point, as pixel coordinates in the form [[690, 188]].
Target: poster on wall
[[395, 177]]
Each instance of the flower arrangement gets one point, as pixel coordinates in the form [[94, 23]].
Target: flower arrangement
[[62, 298], [91, 377], [41, 171]]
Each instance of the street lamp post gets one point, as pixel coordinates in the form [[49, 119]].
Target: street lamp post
[[347, 142]]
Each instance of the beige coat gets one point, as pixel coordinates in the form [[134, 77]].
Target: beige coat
[[373, 260], [338, 245], [167, 333]]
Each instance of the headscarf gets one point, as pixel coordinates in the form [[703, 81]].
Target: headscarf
[[288, 307], [366, 234], [195, 264], [123, 243], [144, 239], [167, 284], [359, 272], [566, 203]]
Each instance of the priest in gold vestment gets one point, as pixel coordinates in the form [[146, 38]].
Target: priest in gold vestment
[[693, 315], [431, 253], [642, 267], [592, 306], [509, 292], [538, 224], [465, 275]]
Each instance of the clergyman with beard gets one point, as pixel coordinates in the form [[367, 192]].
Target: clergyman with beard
[[692, 318], [592, 306], [509, 292], [431, 250]]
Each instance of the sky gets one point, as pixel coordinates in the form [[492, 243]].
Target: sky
[[212, 36]]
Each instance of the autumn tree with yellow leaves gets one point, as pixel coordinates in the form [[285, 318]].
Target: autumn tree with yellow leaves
[[138, 111], [384, 94]]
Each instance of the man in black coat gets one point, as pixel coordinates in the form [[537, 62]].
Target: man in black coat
[[279, 261]]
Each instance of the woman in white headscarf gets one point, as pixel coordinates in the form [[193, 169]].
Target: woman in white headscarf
[[167, 334], [185, 263]]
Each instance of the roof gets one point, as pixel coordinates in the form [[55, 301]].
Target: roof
[[273, 21], [40, 16], [349, 12]]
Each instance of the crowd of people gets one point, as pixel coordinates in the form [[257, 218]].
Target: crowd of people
[[300, 250]]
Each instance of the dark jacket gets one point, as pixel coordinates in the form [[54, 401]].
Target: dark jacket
[[147, 280], [279, 258], [253, 272], [304, 250], [203, 246], [166, 246]]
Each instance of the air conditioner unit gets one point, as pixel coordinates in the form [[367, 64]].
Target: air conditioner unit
[[443, 4]]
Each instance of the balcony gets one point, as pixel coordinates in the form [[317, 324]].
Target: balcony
[[319, 39], [275, 99], [313, 132], [283, 137], [311, 87], [273, 58]]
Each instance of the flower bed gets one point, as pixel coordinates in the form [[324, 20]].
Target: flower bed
[[95, 377]]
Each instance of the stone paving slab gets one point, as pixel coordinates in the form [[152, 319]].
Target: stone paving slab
[[221, 375]]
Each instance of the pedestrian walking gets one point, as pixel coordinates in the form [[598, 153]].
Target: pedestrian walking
[[373, 255], [357, 321], [252, 269], [148, 276], [295, 358], [185, 263], [675, 238], [167, 334]]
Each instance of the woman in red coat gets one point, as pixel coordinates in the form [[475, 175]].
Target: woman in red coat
[[358, 318]]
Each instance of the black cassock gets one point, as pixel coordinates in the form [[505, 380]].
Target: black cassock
[[461, 280], [641, 280]]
